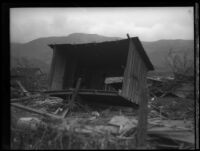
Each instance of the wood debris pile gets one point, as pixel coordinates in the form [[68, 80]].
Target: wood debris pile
[[172, 98], [33, 79], [40, 121]]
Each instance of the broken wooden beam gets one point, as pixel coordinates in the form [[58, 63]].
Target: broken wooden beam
[[74, 95], [34, 111], [22, 88]]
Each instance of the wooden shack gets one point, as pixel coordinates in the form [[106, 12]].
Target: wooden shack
[[94, 62]]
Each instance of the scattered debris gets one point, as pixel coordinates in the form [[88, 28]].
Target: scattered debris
[[170, 119], [123, 123], [32, 123], [107, 124]]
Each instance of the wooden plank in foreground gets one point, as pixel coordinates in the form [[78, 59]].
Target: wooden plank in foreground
[[35, 111]]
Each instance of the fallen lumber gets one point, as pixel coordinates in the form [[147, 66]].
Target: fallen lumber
[[22, 88], [35, 111]]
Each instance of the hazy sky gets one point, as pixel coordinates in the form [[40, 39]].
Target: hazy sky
[[148, 23]]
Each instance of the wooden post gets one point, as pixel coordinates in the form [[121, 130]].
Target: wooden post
[[76, 90], [74, 95], [142, 120]]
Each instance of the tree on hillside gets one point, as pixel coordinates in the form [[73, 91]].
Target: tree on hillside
[[180, 64]]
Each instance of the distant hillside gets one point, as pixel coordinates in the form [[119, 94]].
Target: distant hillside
[[158, 50], [39, 53]]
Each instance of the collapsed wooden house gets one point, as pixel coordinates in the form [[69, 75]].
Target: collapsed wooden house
[[94, 63]]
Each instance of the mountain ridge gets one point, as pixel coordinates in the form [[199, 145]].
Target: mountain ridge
[[38, 49]]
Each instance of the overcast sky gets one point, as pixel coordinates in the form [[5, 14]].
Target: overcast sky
[[148, 23]]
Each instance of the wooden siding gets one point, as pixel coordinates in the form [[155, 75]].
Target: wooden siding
[[58, 71], [134, 74]]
